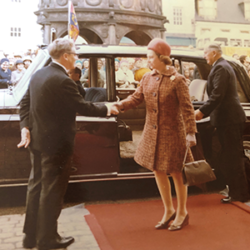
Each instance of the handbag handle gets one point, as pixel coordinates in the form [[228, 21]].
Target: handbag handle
[[185, 156]]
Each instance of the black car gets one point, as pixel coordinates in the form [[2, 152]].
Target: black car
[[104, 147]]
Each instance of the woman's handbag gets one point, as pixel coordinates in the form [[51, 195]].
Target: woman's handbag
[[196, 172]]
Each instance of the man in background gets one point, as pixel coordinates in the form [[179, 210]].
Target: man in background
[[75, 74], [228, 117]]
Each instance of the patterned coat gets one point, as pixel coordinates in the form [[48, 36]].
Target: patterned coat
[[169, 117]]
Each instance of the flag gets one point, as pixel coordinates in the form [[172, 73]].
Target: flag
[[73, 28]]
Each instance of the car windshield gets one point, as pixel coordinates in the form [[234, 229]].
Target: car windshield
[[22, 86]]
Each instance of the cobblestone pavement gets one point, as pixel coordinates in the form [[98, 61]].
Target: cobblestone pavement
[[71, 223]]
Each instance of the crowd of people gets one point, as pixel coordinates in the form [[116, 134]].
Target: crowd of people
[[13, 67], [128, 71]]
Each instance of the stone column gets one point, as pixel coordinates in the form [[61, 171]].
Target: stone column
[[112, 30], [112, 34], [162, 32]]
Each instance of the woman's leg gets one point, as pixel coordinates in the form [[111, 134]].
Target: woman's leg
[[165, 192], [181, 193]]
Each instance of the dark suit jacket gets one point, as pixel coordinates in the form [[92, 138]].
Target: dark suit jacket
[[80, 89], [49, 109], [223, 105]]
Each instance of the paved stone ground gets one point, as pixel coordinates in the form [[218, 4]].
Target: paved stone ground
[[71, 223]]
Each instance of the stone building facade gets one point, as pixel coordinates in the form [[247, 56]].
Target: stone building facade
[[104, 21]]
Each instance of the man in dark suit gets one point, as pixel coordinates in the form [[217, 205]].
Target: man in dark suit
[[75, 74], [47, 114], [228, 116]]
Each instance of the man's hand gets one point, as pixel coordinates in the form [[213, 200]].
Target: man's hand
[[25, 138], [190, 140], [114, 109], [198, 115], [119, 106]]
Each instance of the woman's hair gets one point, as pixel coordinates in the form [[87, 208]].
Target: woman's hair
[[164, 59], [60, 46]]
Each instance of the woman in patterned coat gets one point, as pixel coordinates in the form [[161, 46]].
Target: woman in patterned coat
[[169, 128]]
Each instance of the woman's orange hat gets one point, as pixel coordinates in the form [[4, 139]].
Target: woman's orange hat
[[159, 46]]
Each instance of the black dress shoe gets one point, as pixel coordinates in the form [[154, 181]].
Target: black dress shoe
[[29, 242], [63, 242]]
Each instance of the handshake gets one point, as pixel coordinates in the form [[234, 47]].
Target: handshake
[[114, 108]]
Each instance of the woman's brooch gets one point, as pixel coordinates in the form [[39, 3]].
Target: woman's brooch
[[172, 78]]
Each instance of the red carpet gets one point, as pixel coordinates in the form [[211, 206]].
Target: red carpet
[[130, 226]]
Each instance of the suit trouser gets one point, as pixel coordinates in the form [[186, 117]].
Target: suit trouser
[[47, 185], [232, 160]]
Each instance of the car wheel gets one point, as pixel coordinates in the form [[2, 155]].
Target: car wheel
[[246, 146]]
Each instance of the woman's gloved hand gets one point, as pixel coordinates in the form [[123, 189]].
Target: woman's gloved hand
[[190, 140]]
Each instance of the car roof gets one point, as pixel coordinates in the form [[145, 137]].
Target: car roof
[[122, 50]]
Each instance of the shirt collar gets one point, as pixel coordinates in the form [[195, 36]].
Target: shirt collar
[[215, 62], [60, 65]]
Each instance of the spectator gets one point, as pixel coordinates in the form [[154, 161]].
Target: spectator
[[100, 68], [117, 64], [85, 65], [12, 61], [75, 74], [140, 73], [27, 61], [177, 65], [244, 61], [236, 56], [141, 69], [17, 56], [5, 74], [18, 73], [85, 79], [131, 63], [137, 64], [187, 76], [78, 64], [124, 76]]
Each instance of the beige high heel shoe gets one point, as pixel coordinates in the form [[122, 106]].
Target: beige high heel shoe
[[179, 227]]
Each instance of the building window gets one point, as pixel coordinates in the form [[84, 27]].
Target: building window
[[244, 31], [246, 43], [14, 31], [247, 10], [235, 42], [177, 16], [207, 9]]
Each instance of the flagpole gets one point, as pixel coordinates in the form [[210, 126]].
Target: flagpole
[[69, 17]]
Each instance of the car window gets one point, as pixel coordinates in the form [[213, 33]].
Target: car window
[[197, 86], [93, 72], [129, 71]]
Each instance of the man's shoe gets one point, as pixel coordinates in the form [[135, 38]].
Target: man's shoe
[[226, 200], [57, 243], [29, 242]]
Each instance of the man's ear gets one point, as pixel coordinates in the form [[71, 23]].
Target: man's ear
[[65, 56]]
